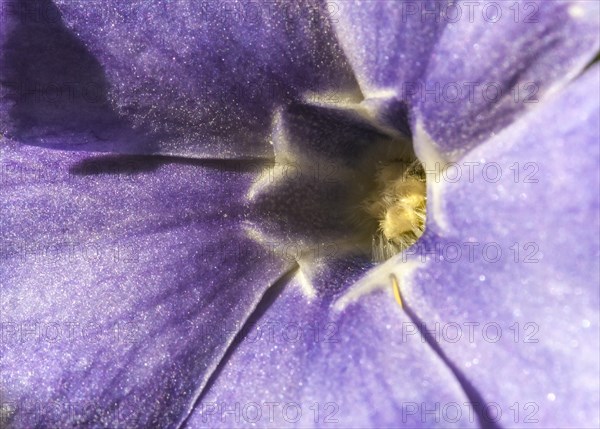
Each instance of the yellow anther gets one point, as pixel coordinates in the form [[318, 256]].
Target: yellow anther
[[396, 289], [398, 203]]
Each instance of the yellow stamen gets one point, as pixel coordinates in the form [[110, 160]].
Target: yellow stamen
[[398, 204], [396, 290]]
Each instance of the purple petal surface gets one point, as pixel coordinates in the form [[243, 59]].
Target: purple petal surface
[[387, 42], [303, 364], [123, 281], [199, 79], [485, 74], [464, 70], [507, 283]]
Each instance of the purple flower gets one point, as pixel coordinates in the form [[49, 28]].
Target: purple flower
[[214, 266]]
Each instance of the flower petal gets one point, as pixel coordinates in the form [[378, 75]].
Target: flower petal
[[387, 42], [199, 79], [486, 73], [311, 366], [332, 268], [115, 277], [508, 285], [338, 135], [464, 70]]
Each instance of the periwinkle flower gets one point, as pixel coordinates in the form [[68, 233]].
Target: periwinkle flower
[[252, 248]]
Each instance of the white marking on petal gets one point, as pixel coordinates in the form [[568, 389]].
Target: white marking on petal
[[305, 285], [386, 94], [433, 163], [576, 11], [436, 211], [338, 100], [279, 137], [254, 234], [276, 139], [379, 279]]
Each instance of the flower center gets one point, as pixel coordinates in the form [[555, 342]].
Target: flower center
[[397, 204]]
